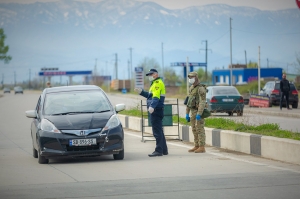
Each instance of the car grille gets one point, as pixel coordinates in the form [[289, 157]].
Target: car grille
[[82, 148]]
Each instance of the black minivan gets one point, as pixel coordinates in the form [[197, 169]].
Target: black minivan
[[272, 90]]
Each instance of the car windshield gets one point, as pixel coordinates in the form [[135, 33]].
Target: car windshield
[[225, 91], [277, 86], [76, 102]]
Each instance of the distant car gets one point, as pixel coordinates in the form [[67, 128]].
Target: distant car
[[18, 89], [6, 90], [76, 121], [224, 99], [272, 90]]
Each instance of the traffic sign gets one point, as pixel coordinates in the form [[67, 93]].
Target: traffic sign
[[138, 69], [190, 64], [60, 73]]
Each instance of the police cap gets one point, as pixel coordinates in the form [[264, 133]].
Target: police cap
[[151, 71]]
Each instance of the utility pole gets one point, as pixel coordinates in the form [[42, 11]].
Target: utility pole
[[162, 59], [130, 70], [2, 80], [230, 52], [95, 73], [15, 77], [29, 78], [206, 49], [187, 73], [258, 68], [267, 62], [116, 65], [246, 58]]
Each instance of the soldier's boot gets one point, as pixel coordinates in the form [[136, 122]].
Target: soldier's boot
[[201, 149], [193, 149]]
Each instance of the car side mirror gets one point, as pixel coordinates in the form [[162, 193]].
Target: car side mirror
[[120, 107], [31, 114]]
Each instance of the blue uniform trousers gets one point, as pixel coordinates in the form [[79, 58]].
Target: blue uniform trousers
[[157, 130]]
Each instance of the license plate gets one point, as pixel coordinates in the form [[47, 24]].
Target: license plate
[[82, 142], [227, 100]]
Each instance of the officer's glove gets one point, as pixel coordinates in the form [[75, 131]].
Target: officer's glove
[[198, 117], [187, 117], [151, 110], [138, 90]]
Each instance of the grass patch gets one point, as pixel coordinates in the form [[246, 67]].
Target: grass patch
[[227, 124], [263, 129]]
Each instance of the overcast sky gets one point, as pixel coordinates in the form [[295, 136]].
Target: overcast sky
[[177, 4]]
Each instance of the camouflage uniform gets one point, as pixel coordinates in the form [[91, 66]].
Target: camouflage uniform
[[196, 105]]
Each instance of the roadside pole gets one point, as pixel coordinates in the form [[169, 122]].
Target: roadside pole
[[258, 68], [187, 73]]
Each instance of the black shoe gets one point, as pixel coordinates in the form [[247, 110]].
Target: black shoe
[[154, 154], [165, 153]]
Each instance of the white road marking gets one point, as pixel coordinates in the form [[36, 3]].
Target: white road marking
[[227, 156]]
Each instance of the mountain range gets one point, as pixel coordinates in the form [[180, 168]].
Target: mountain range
[[76, 35]]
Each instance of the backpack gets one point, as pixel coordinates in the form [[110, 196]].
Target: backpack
[[192, 102]]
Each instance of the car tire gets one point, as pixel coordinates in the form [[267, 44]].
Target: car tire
[[240, 113], [295, 105], [42, 159], [34, 152], [119, 156], [230, 113]]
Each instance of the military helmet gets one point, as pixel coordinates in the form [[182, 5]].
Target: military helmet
[[193, 74]]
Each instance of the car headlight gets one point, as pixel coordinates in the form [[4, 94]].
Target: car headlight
[[112, 122], [46, 125]]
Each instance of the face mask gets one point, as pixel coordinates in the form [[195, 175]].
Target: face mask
[[192, 80], [151, 78]]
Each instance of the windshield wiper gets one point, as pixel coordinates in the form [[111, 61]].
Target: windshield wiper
[[66, 113], [79, 112]]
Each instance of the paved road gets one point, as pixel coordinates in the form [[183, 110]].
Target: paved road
[[215, 174], [286, 119]]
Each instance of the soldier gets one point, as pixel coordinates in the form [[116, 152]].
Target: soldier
[[196, 104], [155, 104]]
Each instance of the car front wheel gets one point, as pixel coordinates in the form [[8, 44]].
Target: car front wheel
[[230, 113], [34, 152], [119, 156], [42, 159]]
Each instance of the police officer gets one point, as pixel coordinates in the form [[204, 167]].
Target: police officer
[[195, 106], [155, 105]]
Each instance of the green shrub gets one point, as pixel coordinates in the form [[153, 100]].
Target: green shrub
[[227, 124]]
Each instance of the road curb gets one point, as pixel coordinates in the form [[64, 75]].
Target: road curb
[[280, 149], [262, 111]]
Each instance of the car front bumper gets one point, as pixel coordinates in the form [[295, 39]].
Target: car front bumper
[[54, 145]]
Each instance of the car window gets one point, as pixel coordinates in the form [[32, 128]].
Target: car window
[[292, 86], [225, 91], [208, 91], [266, 86], [37, 108], [77, 101], [277, 86]]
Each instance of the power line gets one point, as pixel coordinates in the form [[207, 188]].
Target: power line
[[219, 38], [291, 33]]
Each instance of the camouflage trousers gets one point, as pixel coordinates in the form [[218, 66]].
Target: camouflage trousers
[[198, 129]]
